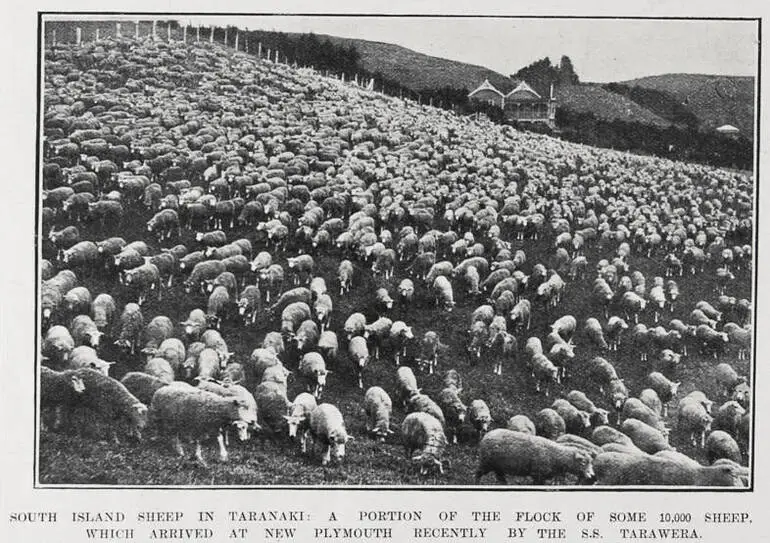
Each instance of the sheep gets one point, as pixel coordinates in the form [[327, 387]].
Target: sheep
[[632, 304], [377, 408], [617, 394], [328, 428], [544, 373], [345, 276], [228, 389], [650, 398], [157, 330], [729, 417], [602, 372], [86, 357], [442, 293], [506, 452], [57, 345], [142, 385], [188, 412], [103, 309], [453, 408], [644, 436], [698, 397], [213, 339], [429, 349], [720, 444], [520, 315], [298, 419], [272, 407], [405, 293], [424, 441], [312, 368], [77, 301], [406, 384], [575, 420], [549, 424], [85, 331], [615, 468], [664, 388], [400, 335], [593, 330], [579, 443], [160, 368], [422, 402], [358, 351], [597, 416], [479, 416], [112, 401], [606, 435], [521, 423], [727, 379], [307, 335], [277, 374], [59, 390], [634, 408]]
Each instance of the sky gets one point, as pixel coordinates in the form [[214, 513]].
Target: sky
[[600, 50]]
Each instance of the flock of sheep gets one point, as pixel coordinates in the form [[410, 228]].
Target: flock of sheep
[[232, 245]]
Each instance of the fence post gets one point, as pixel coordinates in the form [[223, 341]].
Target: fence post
[[136, 30], [184, 34], [198, 33], [268, 53], [96, 38], [246, 43], [237, 34], [78, 35], [168, 32], [276, 56], [154, 30], [225, 36], [117, 30], [53, 38], [211, 36], [259, 50]]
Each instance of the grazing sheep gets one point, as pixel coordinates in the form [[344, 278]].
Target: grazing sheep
[[195, 324], [614, 468], [479, 416], [312, 369], [57, 345], [358, 351], [664, 388], [544, 372], [272, 407], [188, 412], [521, 423], [593, 331], [720, 444], [650, 398], [86, 357], [406, 385], [597, 415], [727, 379], [634, 408], [378, 408], [160, 368], [644, 436], [549, 424], [422, 402], [453, 408], [355, 325], [85, 332], [60, 391], [576, 421], [506, 452], [424, 441], [111, 401], [729, 417], [298, 419], [604, 435], [328, 429], [579, 443], [142, 385], [103, 310]]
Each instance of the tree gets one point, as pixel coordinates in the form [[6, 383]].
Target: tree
[[567, 75]]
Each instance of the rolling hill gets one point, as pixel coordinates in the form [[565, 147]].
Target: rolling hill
[[715, 100]]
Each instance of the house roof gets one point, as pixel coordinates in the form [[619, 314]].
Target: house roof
[[728, 129], [523, 92], [486, 85]]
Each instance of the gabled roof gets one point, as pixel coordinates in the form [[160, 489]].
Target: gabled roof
[[523, 89], [486, 85]]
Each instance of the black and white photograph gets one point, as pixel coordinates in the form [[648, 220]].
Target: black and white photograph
[[395, 252]]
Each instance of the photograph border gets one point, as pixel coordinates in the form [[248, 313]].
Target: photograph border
[[75, 15]]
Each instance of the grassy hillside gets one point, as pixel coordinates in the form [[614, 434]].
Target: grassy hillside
[[419, 71], [606, 105], [715, 100]]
